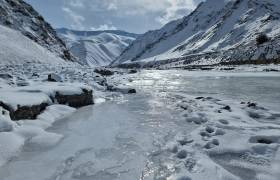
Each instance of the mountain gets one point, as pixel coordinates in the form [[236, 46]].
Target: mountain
[[217, 31], [96, 48], [20, 16], [15, 48]]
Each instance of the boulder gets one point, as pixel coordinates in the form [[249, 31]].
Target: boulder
[[6, 76], [132, 71], [75, 100], [104, 72], [124, 90], [54, 78], [25, 112]]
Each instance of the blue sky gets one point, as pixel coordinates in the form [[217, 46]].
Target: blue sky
[[136, 16]]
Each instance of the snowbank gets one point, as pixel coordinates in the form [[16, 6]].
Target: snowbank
[[29, 101], [16, 99], [31, 132]]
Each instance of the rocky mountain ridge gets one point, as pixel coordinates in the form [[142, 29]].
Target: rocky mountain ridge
[[215, 32], [20, 16]]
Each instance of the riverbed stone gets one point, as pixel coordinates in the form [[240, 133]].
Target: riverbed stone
[[75, 100]]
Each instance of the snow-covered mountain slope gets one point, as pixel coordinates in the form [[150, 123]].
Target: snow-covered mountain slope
[[18, 15], [96, 48], [15, 48], [217, 31]]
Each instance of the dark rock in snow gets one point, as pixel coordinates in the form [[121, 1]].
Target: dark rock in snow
[[35, 75], [228, 108], [131, 91], [132, 71], [75, 100], [210, 129], [182, 154], [6, 76], [265, 141], [121, 90], [198, 98], [252, 104], [25, 112], [54, 78], [104, 72], [227, 69], [271, 70]]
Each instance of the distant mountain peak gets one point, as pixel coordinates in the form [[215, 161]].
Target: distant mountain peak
[[96, 48]]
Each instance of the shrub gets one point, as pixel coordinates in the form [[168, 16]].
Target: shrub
[[262, 38]]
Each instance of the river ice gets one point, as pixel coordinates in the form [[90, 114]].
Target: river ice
[[180, 125]]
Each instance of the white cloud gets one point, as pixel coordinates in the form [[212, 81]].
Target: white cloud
[[76, 3], [131, 15], [76, 19], [104, 27], [177, 9]]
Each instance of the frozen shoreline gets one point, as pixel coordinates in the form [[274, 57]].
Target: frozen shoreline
[[177, 132]]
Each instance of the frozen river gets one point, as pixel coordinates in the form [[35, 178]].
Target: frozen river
[[127, 138]]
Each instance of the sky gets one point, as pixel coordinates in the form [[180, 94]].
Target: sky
[[137, 16]]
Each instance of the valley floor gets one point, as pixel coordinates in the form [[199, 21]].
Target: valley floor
[[180, 125]]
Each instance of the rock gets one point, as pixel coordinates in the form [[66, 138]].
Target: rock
[[132, 71], [209, 129], [227, 69], [131, 91], [35, 75], [183, 142], [54, 78], [198, 98], [271, 70], [104, 72], [265, 141], [182, 154], [228, 108], [6, 76], [25, 112], [216, 142], [249, 104], [124, 90], [75, 100]]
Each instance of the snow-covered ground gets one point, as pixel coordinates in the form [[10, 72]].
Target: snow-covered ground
[[16, 48], [180, 125], [25, 85]]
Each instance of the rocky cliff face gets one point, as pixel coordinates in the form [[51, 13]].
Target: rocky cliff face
[[217, 31], [20, 16]]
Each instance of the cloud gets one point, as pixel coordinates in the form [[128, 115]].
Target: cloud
[[76, 19], [177, 9], [104, 27], [131, 15], [76, 3]]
